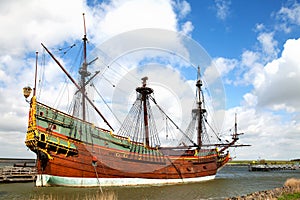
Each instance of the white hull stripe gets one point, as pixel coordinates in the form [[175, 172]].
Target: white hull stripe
[[49, 180]]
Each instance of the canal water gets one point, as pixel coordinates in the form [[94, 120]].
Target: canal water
[[230, 181]]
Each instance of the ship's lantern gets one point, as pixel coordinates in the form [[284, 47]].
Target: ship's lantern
[[27, 91]]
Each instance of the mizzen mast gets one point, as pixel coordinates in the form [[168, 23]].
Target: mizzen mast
[[199, 109]]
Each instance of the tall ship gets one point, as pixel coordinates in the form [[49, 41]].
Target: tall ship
[[71, 151]]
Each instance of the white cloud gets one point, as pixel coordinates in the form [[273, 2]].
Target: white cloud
[[291, 14], [223, 8], [259, 27], [187, 28], [121, 16], [281, 83], [288, 16], [250, 100], [224, 65], [250, 70], [269, 111], [269, 45], [183, 8], [245, 71], [269, 115], [25, 24], [269, 135], [249, 58]]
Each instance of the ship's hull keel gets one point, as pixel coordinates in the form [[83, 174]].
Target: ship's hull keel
[[49, 180]]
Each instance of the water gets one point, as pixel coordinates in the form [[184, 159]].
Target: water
[[230, 181]]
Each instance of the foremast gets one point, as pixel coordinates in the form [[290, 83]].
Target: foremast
[[84, 73]]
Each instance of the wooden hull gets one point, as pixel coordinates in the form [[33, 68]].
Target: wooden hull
[[68, 157], [108, 167]]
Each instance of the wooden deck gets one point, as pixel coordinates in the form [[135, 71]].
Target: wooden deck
[[17, 174]]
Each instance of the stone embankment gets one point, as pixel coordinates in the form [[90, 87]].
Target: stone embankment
[[17, 174], [291, 186]]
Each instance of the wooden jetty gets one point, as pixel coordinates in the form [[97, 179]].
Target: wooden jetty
[[267, 167], [17, 174]]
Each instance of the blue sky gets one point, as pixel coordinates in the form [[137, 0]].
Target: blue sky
[[236, 26], [230, 31], [254, 46]]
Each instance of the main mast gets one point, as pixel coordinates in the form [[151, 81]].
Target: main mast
[[145, 92], [83, 72]]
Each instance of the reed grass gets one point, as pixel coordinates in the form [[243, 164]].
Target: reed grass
[[106, 195], [293, 183]]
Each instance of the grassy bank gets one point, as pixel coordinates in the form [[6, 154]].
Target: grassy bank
[[294, 184], [289, 196]]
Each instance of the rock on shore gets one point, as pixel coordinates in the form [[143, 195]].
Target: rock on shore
[[290, 186]]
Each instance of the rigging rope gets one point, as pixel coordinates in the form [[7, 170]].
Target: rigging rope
[[97, 178], [205, 119], [121, 66], [210, 110], [105, 103], [190, 129], [67, 49], [134, 124], [172, 121]]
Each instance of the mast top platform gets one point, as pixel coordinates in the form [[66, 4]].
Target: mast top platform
[[144, 90]]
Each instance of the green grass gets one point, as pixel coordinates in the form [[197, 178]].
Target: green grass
[[290, 196]]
